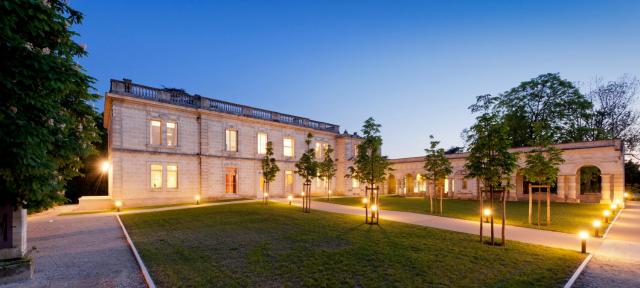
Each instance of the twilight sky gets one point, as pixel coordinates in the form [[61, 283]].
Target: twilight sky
[[415, 66]]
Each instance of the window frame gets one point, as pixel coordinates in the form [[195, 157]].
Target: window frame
[[174, 135], [176, 176], [262, 147], [151, 176], [151, 128], [227, 133], [291, 147]]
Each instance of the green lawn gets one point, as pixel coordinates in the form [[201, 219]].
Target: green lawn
[[248, 245], [565, 217]]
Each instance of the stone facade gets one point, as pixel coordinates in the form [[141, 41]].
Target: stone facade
[[606, 156], [205, 166]]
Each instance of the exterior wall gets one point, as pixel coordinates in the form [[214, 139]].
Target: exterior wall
[[607, 155], [201, 156]]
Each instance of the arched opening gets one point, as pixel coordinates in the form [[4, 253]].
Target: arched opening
[[391, 184], [421, 184], [590, 180], [408, 183]]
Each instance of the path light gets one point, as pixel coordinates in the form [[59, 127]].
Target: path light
[[302, 194], [290, 198], [583, 235], [118, 204], [606, 214], [626, 195], [104, 167], [614, 206], [364, 202], [197, 197], [596, 228], [487, 214]]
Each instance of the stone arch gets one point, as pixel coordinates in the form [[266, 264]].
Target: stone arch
[[589, 178], [408, 183], [391, 184]]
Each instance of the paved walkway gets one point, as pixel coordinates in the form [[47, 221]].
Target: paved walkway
[[80, 251], [528, 235], [617, 262]]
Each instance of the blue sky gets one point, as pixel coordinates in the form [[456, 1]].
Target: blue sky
[[415, 66]]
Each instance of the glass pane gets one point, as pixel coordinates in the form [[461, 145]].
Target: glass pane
[[156, 176], [287, 143], [172, 136], [156, 138], [172, 176], [262, 143]]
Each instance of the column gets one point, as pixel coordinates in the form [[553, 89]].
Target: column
[[605, 190], [571, 190], [561, 188]]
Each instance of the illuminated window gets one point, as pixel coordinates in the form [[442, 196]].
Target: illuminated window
[[156, 176], [172, 134], [321, 147], [232, 140], [453, 185], [155, 133], [355, 151], [287, 144], [261, 183], [172, 176], [262, 143], [355, 183]]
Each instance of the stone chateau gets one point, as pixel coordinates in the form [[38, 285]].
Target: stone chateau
[[166, 146]]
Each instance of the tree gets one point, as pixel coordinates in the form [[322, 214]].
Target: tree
[[269, 170], [549, 102], [632, 177], [307, 168], [489, 159], [47, 124], [613, 115], [436, 166], [370, 167], [327, 169], [541, 168]]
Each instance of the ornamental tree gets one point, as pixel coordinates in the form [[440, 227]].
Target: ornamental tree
[[307, 168], [370, 166], [489, 157], [327, 169], [436, 166], [269, 170], [47, 123]]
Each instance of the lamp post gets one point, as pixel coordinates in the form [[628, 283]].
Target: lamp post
[[104, 167], [583, 235], [596, 228], [265, 198], [487, 213], [118, 204], [606, 214], [197, 197], [290, 198]]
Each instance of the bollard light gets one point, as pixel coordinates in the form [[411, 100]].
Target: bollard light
[[197, 197], [118, 204], [487, 213], [606, 214], [626, 195], [290, 198], [104, 166], [583, 235], [614, 206], [596, 228], [374, 207], [302, 194]]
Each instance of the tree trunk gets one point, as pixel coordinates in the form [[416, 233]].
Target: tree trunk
[[538, 210], [548, 206], [441, 196], [504, 216], [492, 213], [480, 198], [431, 195], [530, 203]]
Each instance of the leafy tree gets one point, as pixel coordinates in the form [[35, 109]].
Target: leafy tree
[[489, 159], [47, 124], [327, 169], [613, 113], [454, 150], [632, 177], [269, 170], [549, 102], [542, 167], [370, 166], [307, 168], [436, 166]]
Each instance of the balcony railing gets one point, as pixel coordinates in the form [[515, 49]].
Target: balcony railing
[[180, 97]]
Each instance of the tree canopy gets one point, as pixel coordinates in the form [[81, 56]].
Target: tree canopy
[[370, 166], [47, 124], [436, 165], [327, 168], [269, 167], [307, 166]]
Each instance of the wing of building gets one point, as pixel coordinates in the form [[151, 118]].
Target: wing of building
[[167, 146]]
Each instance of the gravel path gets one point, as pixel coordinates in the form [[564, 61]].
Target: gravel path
[[80, 251], [617, 262]]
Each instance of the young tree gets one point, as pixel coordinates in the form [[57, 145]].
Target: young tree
[[489, 159], [47, 124], [327, 169], [307, 168], [436, 166], [541, 167], [370, 167], [269, 170]]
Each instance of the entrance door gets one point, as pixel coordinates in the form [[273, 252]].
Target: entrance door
[[231, 180], [288, 182]]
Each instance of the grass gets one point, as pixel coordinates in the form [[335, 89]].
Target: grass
[[565, 217], [150, 207], [249, 245]]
